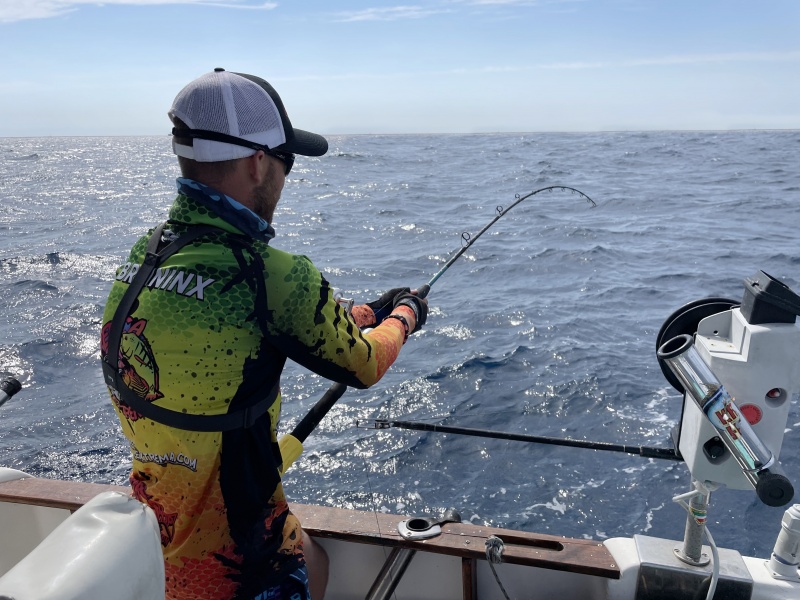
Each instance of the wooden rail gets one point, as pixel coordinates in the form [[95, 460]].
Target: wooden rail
[[53, 493], [463, 540]]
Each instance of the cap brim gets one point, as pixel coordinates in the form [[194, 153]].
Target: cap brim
[[306, 144]]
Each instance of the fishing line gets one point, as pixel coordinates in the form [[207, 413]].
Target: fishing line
[[375, 509]]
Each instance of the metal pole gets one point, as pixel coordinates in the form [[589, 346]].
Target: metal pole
[[391, 573], [692, 551]]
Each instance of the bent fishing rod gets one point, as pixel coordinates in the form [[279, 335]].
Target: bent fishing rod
[[291, 444]]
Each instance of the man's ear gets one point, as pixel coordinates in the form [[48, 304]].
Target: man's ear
[[258, 166]]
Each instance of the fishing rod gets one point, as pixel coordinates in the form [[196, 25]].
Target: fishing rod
[[644, 451], [468, 240], [291, 444]]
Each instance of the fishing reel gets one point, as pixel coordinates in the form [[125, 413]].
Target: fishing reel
[[738, 367]]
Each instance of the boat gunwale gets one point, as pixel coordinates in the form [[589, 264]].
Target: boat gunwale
[[464, 540]]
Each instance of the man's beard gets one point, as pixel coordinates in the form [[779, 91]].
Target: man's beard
[[265, 198]]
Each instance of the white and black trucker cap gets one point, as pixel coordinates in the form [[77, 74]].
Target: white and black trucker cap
[[232, 115]]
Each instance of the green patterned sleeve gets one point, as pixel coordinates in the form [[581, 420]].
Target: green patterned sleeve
[[316, 332]]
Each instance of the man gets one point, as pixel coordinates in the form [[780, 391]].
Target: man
[[196, 331]]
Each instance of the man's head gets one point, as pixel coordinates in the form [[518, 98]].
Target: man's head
[[222, 117], [232, 115]]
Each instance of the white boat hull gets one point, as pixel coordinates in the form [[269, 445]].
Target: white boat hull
[[58, 554]]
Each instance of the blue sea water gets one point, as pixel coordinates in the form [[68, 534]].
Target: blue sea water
[[547, 325]]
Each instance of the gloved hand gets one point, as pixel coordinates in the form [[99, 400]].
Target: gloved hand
[[415, 303], [384, 305]]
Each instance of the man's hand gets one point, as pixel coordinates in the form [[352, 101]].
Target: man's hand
[[384, 305], [416, 304]]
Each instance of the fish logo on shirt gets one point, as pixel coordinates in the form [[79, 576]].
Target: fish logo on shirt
[[136, 362]]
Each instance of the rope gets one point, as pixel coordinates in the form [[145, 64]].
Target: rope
[[494, 555]]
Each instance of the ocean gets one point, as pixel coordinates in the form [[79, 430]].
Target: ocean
[[547, 325]]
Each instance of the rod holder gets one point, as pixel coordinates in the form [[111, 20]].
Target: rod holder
[[756, 461]]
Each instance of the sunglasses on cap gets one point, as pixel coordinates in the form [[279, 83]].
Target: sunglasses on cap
[[287, 158]]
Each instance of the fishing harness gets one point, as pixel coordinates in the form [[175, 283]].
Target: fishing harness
[[154, 257]]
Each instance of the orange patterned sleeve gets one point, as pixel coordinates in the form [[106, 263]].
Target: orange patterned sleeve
[[363, 316]]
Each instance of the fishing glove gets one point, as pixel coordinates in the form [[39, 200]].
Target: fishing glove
[[415, 303], [386, 303]]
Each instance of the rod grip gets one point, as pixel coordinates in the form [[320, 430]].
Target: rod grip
[[318, 411], [423, 291]]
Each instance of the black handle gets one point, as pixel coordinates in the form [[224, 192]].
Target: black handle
[[774, 489], [8, 387], [318, 412]]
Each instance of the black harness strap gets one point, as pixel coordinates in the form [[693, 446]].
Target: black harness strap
[[237, 419]]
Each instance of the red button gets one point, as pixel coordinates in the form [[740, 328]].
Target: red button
[[752, 413]]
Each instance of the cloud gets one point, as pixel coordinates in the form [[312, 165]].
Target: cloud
[[503, 2], [540, 3], [24, 10], [473, 70], [394, 13], [688, 59]]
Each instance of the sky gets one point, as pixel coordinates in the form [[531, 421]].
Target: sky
[[85, 67]]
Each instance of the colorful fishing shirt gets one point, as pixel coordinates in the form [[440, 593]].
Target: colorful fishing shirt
[[210, 333]]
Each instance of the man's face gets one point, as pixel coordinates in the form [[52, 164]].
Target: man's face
[[266, 195]]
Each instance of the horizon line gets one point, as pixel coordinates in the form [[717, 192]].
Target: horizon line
[[443, 133]]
